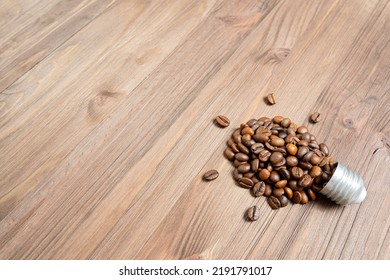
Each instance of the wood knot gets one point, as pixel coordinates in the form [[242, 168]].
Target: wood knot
[[348, 123], [101, 105]]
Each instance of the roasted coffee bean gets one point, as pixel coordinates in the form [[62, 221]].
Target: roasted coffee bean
[[315, 171], [246, 138], [264, 130], [234, 148], [316, 188], [237, 163], [255, 179], [255, 164], [292, 149], [305, 181], [242, 157], [288, 192], [324, 149], [243, 148], [268, 190], [285, 122], [303, 143], [245, 183], [222, 121], [305, 165], [326, 176], [281, 150], [277, 119], [251, 122], [297, 197], [237, 175], [323, 161], [313, 145], [264, 174], [274, 176], [249, 175], [297, 172], [285, 173], [237, 139], [293, 126], [302, 129], [264, 155], [274, 202], [276, 157], [280, 164], [276, 141], [269, 147], [293, 184], [269, 167], [292, 161], [255, 127], [278, 192], [318, 180], [256, 148], [307, 157], [311, 194], [315, 117], [302, 151], [244, 168], [264, 119], [253, 213], [261, 137], [315, 159], [281, 184], [271, 99], [211, 175], [304, 199], [247, 130], [229, 154], [258, 189], [283, 201], [289, 139], [306, 137]]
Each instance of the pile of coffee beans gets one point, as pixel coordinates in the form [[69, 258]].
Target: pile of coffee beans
[[280, 160]]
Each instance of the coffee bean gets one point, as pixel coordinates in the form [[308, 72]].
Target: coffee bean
[[297, 172], [315, 159], [264, 174], [237, 163], [304, 198], [249, 175], [305, 165], [307, 157], [315, 171], [277, 119], [234, 148], [314, 145], [271, 99], [282, 150], [243, 148], [237, 175], [305, 181], [288, 192], [268, 190], [222, 121], [255, 164], [297, 197], [283, 201], [291, 149], [261, 137], [293, 184], [256, 148], [264, 130], [242, 157], [211, 175], [274, 202], [281, 184], [245, 183], [251, 122], [258, 189], [253, 213], [292, 161], [237, 136], [316, 188], [244, 168], [264, 155], [324, 149], [302, 129], [276, 157], [229, 154], [278, 192], [269, 147], [306, 136], [247, 130], [277, 141], [285, 173], [280, 164], [303, 143], [274, 176], [315, 117], [302, 151], [311, 194], [285, 122]]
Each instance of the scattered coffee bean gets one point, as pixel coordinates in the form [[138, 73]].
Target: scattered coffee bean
[[271, 99], [274, 202], [245, 183], [222, 121], [283, 201], [259, 189], [211, 175], [315, 117], [253, 213]]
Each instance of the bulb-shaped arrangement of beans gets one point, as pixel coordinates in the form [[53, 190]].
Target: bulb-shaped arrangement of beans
[[277, 159]]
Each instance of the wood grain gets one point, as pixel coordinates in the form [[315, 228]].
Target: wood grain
[[106, 126]]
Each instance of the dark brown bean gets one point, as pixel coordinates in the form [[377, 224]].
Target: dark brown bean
[[277, 119], [305, 165], [229, 154], [302, 129], [222, 121], [274, 177], [244, 168], [271, 99], [258, 189], [304, 199], [303, 143], [264, 155], [288, 192], [280, 164], [249, 175], [242, 157], [297, 172], [245, 183], [305, 181], [315, 117], [324, 149], [278, 192], [283, 201], [247, 130], [297, 197], [285, 173], [261, 137], [243, 148], [293, 184], [211, 175], [315, 171], [291, 161], [314, 145], [269, 147], [251, 122], [311, 194], [276, 157], [276, 141], [281, 184], [306, 137], [302, 151], [268, 190], [237, 175], [285, 122], [256, 148], [255, 165], [274, 202], [292, 149], [315, 159], [307, 157], [234, 148], [253, 213], [237, 163]]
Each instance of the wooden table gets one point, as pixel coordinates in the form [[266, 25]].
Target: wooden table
[[106, 126]]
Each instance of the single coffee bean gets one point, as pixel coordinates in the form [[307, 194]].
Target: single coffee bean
[[273, 202], [278, 192], [277, 119], [323, 161], [306, 137], [243, 148], [326, 176], [324, 149], [302, 151], [277, 141], [251, 122], [302, 129], [249, 175], [304, 199], [237, 137], [211, 175], [277, 166], [305, 165], [269, 167], [255, 127], [319, 153], [261, 137], [297, 197], [281, 184], [292, 161], [256, 148], [242, 157], [245, 183], [255, 164], [293, 126], [315, 159], [291, 149], [247, 130], [282, 150], [264, 155], [311, 194], [313, 145], [229, 154], [222, 121], [234, 148], [258, 189], [307, 157], [264, 119], [274, 177], [285, 122], [237, 163], [293, 184], [288, 192], [253, 213], [276, 157], [289, 138], [282, 134], [318, 180], [315, 117], [285, 173], [264, 174], [264, 130], [297, 172], [305, 181], [271, 99], [316, 188], [246, 138], [303, 143], [315, 171], [244, 168], [237, 175], [283, 201], [269, 147], [268, 190]]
